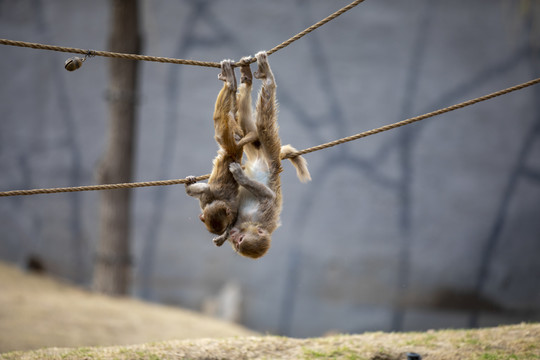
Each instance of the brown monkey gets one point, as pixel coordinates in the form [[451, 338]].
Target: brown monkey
[[260, 191], [219, 197]]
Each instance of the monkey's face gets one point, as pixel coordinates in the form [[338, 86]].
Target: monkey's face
[[251, 241], [217, 216]]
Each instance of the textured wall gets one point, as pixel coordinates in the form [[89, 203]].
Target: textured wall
[[435, 224]]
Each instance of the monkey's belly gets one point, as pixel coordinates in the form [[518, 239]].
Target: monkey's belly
[[258, 170], [249, 208]]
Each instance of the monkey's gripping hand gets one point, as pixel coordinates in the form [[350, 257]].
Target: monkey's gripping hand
[[238, 173], [190, 180], [256, 188], [263, 70], [227, 74], [245, 70]]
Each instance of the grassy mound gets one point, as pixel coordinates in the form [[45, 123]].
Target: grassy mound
[[518, 342], [37, 311]]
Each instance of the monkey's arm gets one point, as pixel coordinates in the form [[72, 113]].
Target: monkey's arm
[[219, 240], [244, 113], [248, 138], [198, 189], [259, 190], [226, 128]]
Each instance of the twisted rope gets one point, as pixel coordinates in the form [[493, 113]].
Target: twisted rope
[[107, 53], [172, 60], [301, 152], [415, 119], [100, 187], [314, 26]]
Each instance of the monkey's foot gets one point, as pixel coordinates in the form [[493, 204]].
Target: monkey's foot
[[227, 73], [263, 67], [190, 180], [220, 239], [245, 70]]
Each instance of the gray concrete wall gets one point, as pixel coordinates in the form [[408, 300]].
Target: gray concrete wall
[[432, 225]]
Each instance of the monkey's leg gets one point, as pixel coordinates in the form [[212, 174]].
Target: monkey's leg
[[267, 127]]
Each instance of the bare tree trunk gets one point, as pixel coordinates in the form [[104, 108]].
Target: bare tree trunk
[[113, 265]]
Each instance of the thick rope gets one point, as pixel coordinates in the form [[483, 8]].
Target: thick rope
[[415, 119], [301, 152], [315, 26], [100, 187], [108, 53], [171, 60]]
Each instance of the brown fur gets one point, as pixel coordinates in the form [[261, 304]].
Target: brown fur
[[219, 197], [251, 233], [245, 120]]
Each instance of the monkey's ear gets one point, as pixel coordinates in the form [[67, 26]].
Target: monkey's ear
[[201, 217]]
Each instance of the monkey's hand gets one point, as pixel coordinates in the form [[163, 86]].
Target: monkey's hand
[[190, 180], [227, 74], [238, 173], [219, 240], [245, 70], [258, 189]]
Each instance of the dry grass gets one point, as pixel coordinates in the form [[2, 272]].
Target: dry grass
[[518, 342], [36, 312]]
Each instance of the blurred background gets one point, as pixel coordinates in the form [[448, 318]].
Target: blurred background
[[433, 225]]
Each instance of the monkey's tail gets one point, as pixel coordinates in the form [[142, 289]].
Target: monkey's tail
[[298, 162]]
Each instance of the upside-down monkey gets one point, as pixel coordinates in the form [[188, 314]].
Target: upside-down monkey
[[260, 199], [219, 197]]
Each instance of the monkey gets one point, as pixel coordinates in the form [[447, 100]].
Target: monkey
[[219, 197], [260, 199]]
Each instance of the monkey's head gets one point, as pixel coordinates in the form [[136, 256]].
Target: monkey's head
[[251, 240], [217, 216]]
